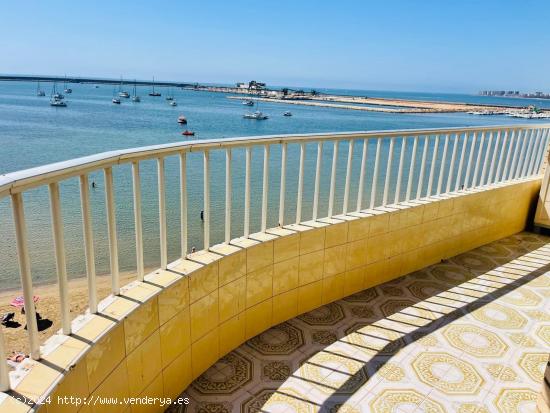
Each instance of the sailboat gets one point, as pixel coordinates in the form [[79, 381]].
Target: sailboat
[[169, 96], [135, 97], [39, 92], [115, 100], [257, 115], [153, 93], [122, 93], [65, 88], [57, 98]]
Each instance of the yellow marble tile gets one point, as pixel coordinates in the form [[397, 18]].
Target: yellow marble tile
[[258, 318], [377, 248], [175, 337], [374, 273], [163, 277], [204, 316], [91, 327], [116, 385], [286, 247], [259, 256], [333, 288], [285, 306], [143, 364], [64, 351], [140, 324], [232, 267], [204, 257], [312, 240], [336, 234], [116, 307], [232, 334], [177, 376], [430, 211], [259, 285], [185, 267], [74, 384], [310, 296], [354, 280], [379, 224], [334, 262], [203, 281], [356, 254], [358, 229], [154, 390], [232, 299], [173, 300], [204, 353], [285, 275], [311, 267], [139, 291], [105, 355]]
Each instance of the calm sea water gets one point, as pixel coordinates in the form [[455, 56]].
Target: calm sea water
[[32, 133]]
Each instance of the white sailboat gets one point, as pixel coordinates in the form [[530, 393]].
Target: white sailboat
[[39, 92], [57, 98], [153, 93], [257, 115], [135, 97], [65, 88], [122, 93]]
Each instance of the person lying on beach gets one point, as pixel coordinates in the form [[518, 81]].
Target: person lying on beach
[[16, 358]]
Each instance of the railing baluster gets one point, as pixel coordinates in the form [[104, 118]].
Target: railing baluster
[[265, 187], [60, 260], [486, 160], [111, 229], [531, 156], [348, 177], [470, 160], [478, 160], [333, 179], [525, 160], [461, 161], [452, 164], [247, 193], [514, 144], [536, 152], [422, 167], [162, 215], [362, 175], [375, 174], [228, 195], [183, 204], [432, 166], [283, 186], [300, 184], [88, 242], [4, 370], [317, 180], [492, 167], [521, 157], [25, 273], [541, 156], [400, 170], [136, 185], [442, 166], [387, 178], [411, 169], [500, 162], [206, 167]]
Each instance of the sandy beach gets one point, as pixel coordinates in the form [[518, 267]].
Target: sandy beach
[[48, 306]]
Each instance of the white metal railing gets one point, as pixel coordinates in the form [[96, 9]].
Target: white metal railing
[[430, 162]]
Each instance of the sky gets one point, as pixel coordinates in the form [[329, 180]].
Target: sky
[[408, 45]]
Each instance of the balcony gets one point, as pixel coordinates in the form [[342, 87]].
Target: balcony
[[366, 271]]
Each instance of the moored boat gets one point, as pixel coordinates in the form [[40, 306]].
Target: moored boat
[[188, 133], [248, 102], [58, 103], [258, 115], [116, 101], [153, 93], [287, 113], [182, 120], [39, 92], [173, 103]]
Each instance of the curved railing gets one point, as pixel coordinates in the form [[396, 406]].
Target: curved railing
[[391, 167]]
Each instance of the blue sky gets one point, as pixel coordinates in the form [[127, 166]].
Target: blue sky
[[417, 45]]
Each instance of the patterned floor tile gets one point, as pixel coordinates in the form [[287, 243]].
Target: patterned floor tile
[[468, 335]]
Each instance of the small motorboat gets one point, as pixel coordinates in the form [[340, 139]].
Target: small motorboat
[[154, 94], [188, 133], [116, 101], [182, 120], [58, 103], [248, 102], [173, 103], [287, 113], [68, 90], [255, 115]]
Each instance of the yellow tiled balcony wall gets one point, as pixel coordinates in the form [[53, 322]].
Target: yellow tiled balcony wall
[[159, 335]]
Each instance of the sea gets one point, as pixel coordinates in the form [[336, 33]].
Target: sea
[[32, 133]]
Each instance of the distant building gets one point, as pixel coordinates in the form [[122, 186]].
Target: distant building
[[253, 85]]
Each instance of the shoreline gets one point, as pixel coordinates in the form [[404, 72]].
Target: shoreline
[[16, 340]]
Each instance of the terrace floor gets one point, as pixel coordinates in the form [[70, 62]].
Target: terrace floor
[[471, 334]]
